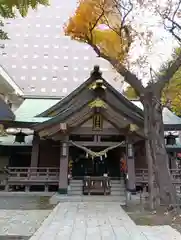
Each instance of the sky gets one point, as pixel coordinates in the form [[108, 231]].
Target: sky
[[162, 43], [37, 52]]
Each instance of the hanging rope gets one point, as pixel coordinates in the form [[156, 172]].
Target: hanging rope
[[96, 154]]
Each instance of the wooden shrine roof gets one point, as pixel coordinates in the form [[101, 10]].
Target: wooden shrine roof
[[6, 113], [40, 112], [80, 99]]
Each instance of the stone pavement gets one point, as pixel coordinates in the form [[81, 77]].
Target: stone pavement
[[21, 222], [70, 220], [88, 221], [56, 198], [160, 232]]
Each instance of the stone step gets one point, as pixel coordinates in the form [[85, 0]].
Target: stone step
[[76, 181], [117, 193], [117, 190], [75, 193], [75, 188], [75, 185], [75, 198], [117, 184], [115, 181]]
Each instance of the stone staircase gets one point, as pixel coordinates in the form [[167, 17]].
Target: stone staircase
[[75, 187], [75, 194], [117, 188]]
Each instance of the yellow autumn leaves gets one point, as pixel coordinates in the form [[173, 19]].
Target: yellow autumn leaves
[[96, 22]]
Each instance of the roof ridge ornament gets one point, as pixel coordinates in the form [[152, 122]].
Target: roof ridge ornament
[[96, 73]]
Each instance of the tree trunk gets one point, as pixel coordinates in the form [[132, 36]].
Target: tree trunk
[[149, 157], [156, 150]]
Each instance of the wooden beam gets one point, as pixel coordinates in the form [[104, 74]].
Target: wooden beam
[[89, 131], [119, 107], [126, 130], [58, 135], [76, 118], [77, 122], [117, 116], [48, 131], [112, 120]]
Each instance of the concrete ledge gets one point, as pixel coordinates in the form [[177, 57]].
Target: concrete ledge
[[24, 194], [62, 190], [57, 198], [45, 224]]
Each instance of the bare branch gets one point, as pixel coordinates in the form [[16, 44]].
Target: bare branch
[[170, 15], [129, 77], [124, 10], [163, 79]]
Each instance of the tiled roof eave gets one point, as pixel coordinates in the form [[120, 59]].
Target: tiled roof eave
[[172, 127]]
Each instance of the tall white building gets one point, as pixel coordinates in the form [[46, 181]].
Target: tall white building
[[42, 60]]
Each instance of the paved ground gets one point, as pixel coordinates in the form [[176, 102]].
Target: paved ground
[[16, 202], [56, 198], [88, 221], [21, 222], [160, 233], [73, 221]]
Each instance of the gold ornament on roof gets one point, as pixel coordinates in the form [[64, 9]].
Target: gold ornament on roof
[[133, 127], [97, 103], [96, 84], [2, 130]]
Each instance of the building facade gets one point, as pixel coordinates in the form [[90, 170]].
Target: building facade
[[85, 134]]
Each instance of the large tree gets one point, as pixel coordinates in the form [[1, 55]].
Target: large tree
[[171, 94], [9, 9], [113, 43]]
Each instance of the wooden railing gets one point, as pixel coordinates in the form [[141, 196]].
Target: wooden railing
[[142, 175], [32, 174]]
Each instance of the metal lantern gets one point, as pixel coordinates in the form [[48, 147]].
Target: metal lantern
[[170, 139], [20, 137], [130, 150], [64, 149]]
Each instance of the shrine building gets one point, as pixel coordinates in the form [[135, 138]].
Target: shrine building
[[74, 145]]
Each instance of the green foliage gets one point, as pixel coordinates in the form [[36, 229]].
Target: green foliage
[[172, 93], [130, 93], [8, 9]]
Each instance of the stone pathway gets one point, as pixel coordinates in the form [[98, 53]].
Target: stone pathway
[[79, 221], [21, 222], [88, 221], [160, 232]]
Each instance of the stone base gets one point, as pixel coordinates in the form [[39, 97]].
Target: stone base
[[132, 191], [62, 190], [56, 198]]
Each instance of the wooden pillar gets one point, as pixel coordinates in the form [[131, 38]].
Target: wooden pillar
[[131, 178], [35, 151], [172, 158], [63, 174]]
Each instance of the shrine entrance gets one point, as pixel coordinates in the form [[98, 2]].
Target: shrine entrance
[[87, 165]]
